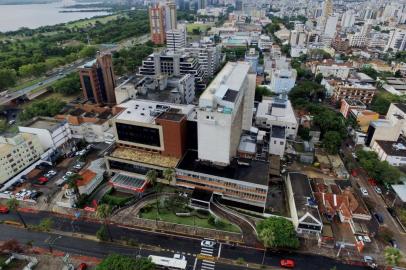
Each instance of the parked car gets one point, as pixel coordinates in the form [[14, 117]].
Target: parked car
[[43, 180], [379, 218], [78, 166], [52, 172], [287, 263], [393, 243], [378, 190], [372, 182], [4, 209], [364, 191], [391, 211], [68, 173], [45, 165], [82, 266], [370, 261], [179, 256], [208, 243]]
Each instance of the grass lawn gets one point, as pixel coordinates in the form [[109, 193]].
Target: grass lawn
[[169, 216], [200, 26], [88, 22]]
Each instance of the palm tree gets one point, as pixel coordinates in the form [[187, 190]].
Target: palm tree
[[13, 204], [103, 212], [168, 174], [72, 182], [152, 177]]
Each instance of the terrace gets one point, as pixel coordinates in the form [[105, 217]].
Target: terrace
[[152, 158]]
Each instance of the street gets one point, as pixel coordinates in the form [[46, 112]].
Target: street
[[379, 204], [167, 245]]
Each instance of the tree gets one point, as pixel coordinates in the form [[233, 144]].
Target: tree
[[68, 85], [370, 72], [392, 256], [319, 78], [277, 232], [13, 204], [7, 78], [331, 142], [261, 91], [103, 212], [47, 107], [87, 51], [304, 133], [151, 177], [72, 182], [45, 225], [121, 262], [168, 174]]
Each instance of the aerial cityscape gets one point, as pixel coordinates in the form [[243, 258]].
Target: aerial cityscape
[[202, 134]]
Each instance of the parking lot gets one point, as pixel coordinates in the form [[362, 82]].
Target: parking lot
[[45, 180]]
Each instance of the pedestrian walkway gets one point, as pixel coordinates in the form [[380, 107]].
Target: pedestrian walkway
[[207, 252]]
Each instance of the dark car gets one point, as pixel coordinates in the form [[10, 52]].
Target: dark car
[[82, 266], [393, 243], [45, 165], [379, 217], [391, 211]]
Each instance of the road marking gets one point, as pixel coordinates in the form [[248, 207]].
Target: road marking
[[218, 255], [194, 266], [207, 267]]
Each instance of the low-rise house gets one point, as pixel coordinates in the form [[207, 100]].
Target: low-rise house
[[302, 205]]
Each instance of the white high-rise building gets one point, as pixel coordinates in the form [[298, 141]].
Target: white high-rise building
[[209, 56], [331, 26], [348, 19], [358, 40], [397, 40], [225, 109], [176, 38]]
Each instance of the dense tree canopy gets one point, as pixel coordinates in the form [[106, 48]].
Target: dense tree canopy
[[46, 107], [37, 53], [277, 232], [121, 262], [68, 85], [7, 78], [127, 60], [380, 170], [382, 101]]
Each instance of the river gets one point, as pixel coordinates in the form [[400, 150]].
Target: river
[[13, 17]]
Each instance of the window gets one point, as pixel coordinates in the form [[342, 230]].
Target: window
[[281, 143]]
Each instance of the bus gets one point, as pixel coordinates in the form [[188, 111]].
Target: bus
[[168, 263]]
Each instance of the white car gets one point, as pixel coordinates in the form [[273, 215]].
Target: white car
[[47, 175], [51, 172], [367, 239], [364, 191], [77, 166], [207, 243], [179, 257], [378, 190], [68, 173]]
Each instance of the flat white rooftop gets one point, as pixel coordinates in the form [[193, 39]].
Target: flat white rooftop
[[146, 111], [279, 113], [231, 77]]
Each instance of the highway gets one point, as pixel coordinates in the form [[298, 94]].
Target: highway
[[11, 95], [164, 244]]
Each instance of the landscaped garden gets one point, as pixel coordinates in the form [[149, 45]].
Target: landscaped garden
[[176, 210]]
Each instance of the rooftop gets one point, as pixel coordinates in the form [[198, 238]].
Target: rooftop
[[303, 195], [256, 172], [146, 111], [397, 149], [49, 124], [144, 157], [278, 132], [128, 182], [353, 102], [225, 86]]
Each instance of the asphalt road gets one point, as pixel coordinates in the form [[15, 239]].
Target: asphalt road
[[168, 244], [378, 202]]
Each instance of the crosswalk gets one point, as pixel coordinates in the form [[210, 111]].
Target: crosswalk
[[207, 264]]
